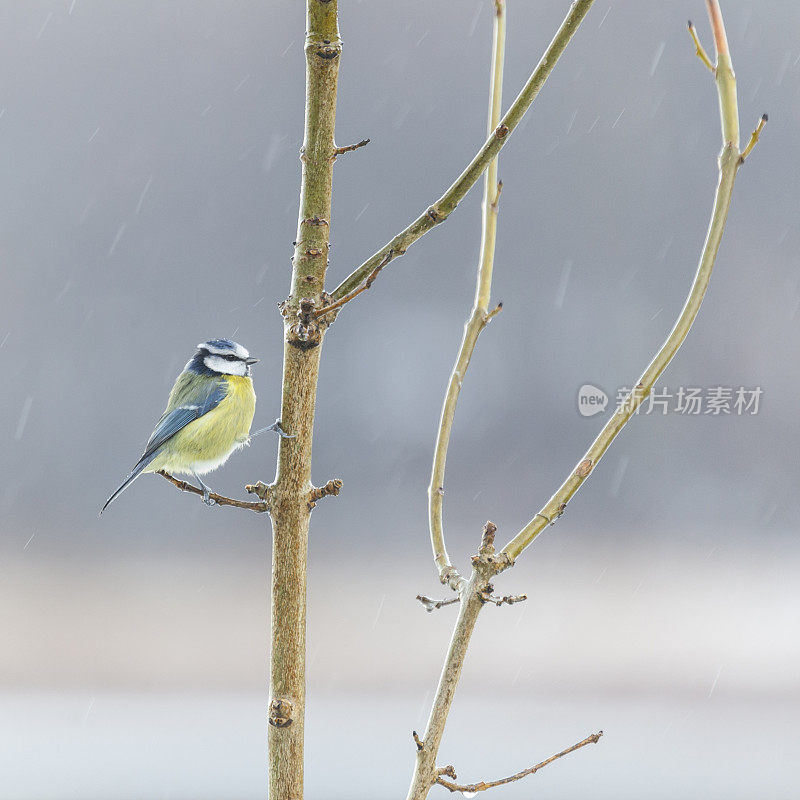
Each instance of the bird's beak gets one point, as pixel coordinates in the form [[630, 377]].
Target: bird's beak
[[250, 361]]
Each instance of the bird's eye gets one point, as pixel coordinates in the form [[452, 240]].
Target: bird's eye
[[230, 358]]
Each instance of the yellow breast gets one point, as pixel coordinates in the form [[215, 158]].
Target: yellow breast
[[206, 443]]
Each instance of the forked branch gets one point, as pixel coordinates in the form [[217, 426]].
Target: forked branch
[[488, 563], [443, 207]]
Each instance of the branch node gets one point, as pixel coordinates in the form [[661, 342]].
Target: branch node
[[435, 605], [486, 596], [327, 50], [559, 512], [501, 131], [701, 53], [417, 741], [495, 203], [305, 333], [754, 137], [337, 151], [331, 488], [260, 489], [280, 713], [492, 314], [450, 576]]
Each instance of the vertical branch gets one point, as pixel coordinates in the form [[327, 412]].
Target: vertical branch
[[726, 80], [480, 316], [472, 594], [289, 508], [491, 186], [486, 563]]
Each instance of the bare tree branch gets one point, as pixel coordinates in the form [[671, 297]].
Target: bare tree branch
[[444, 206], [479, 318], [350, 147], [330, 489], [482, 786], [730, 160], [754, 137], [700, 50], [302, 335], [487, 563], [509, 599], [363, 288], [435, 605], [219, 499]]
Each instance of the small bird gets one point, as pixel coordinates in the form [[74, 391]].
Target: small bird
[[208, 416]]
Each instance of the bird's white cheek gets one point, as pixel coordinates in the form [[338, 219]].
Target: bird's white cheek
[[225, 367]]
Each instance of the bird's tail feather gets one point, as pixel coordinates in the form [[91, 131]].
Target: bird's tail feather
[[135, 473]]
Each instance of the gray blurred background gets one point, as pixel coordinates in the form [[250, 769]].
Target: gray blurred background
[[149, 193]]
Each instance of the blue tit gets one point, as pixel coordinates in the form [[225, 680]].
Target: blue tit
[[208, 416]]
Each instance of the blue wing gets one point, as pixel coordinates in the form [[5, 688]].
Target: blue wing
[[177, 419], [192, 408]]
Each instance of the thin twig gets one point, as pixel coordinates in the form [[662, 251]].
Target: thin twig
[[754, 137], [434, 605], [443, 207], [485, 595], [219, 499], [479, 318], [509, 599], [730, 160], [701, 51], [471, 788], [350, 147], [363, 288]]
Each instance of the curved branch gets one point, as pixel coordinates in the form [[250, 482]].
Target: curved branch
[[479, 318], [443, 207], [729, 162]]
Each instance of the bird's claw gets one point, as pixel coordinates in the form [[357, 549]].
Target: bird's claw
[[206, 491], [276, 426]]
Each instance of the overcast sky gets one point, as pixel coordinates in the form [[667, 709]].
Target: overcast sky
[[149, 199]]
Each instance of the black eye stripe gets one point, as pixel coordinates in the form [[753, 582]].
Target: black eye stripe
[[224, 356]]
